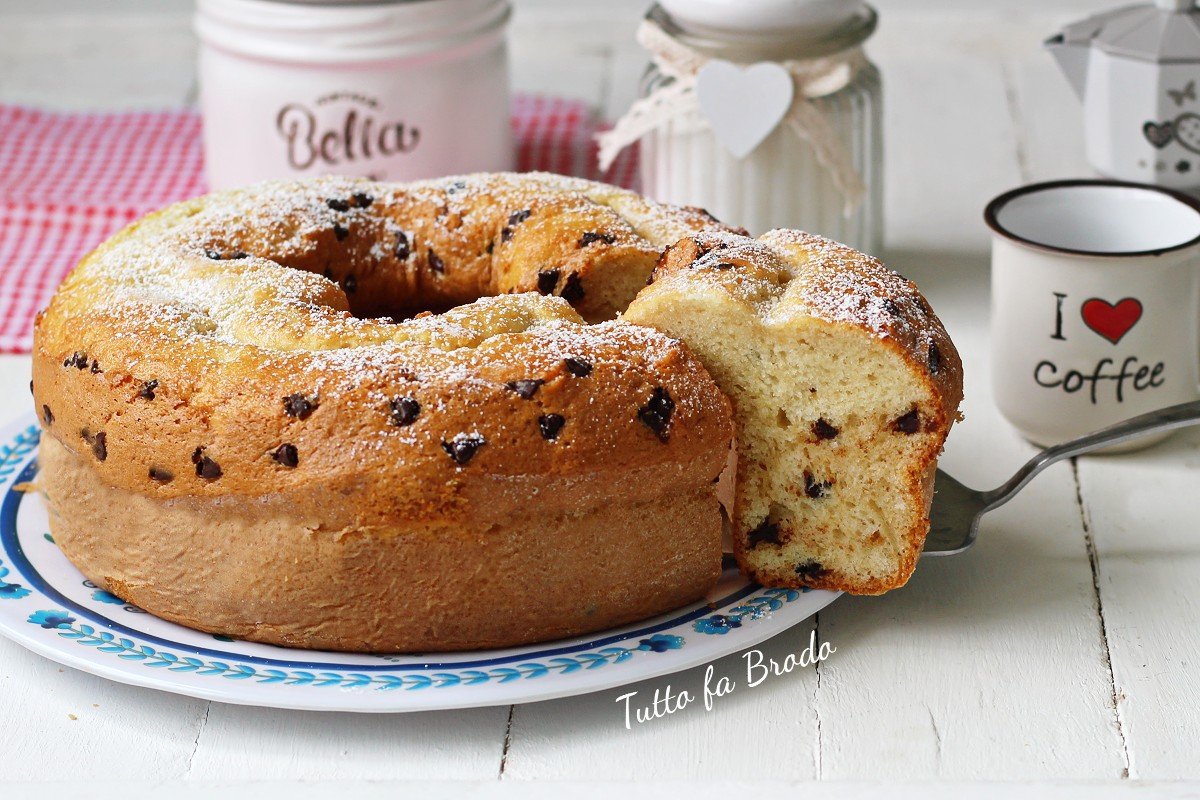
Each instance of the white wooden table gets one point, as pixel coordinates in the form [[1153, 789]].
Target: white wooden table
[[1064, 648]]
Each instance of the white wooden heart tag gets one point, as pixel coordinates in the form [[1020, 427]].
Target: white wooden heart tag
[[743, 104]]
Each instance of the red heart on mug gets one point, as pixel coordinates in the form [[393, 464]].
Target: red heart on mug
[[1111, 321]]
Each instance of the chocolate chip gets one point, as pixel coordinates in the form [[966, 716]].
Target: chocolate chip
[[935, 358], [491, 248], [891, 307], [547, 279], [435, 263], [909, 423], [350, 284], [99, 444], [823, 430], [341, 232], [517, 217], [463, 446], [723, 265], [456, 186], [47, 415], [297, 405], [337, 204], [287, 455], [550, 425], [656, 414], [362, 199], [815, 489], [161, 475], [147, 390], [403, 250], [205, 467], [590, 237], [218, 255], [572, 290], [525, 388], [767, 532], [78, 360], [577, 367], [96, 367], [405, 411], [506, 234], [810, 570]]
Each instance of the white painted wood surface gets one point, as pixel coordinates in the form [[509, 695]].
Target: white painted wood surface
[[1065, 647]]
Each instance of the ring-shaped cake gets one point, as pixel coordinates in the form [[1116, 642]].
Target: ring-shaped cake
[[243, 439]]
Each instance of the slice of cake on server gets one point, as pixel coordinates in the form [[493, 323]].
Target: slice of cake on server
[[844, 386]]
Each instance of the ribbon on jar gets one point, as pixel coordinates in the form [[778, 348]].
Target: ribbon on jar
[[811, 78]]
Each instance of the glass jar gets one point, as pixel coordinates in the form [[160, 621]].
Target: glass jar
[[377, 89], [781, 183]]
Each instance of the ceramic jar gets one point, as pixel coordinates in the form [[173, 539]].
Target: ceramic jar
[[781, 183], [395, 90]]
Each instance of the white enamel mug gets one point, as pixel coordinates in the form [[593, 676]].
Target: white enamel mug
[[1095, 305]]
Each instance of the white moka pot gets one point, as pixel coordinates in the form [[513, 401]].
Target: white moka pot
[[1137, 71]]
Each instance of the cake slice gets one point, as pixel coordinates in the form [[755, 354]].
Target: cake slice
[[844, 386]]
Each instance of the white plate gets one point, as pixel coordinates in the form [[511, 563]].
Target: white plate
[[50, 608]]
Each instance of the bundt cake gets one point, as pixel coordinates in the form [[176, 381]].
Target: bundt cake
[[241, 437], [844, 386], [239, 440]]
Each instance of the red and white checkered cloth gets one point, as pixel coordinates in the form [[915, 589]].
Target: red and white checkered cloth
[[70, 180]]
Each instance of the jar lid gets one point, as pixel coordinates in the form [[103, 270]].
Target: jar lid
[[755, 30], [347, 31]]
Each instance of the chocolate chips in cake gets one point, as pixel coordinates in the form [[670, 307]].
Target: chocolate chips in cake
[[525, 389], [550, 425], [656, 414], [287, 455], [206, 467], [403, 249], [98, 442], [910, 423], [822, 429], [591, 237], [405, 411], [435, 263], [767, 532], [578, 367], [463, 446], [816, 489], [572, 290], [547, 280], [299, 405]]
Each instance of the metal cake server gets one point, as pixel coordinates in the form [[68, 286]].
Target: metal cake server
[[957, 509]]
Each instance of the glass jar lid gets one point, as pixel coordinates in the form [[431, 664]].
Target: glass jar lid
[[766, 30]]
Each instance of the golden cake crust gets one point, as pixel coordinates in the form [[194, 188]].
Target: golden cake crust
[[225, 354]]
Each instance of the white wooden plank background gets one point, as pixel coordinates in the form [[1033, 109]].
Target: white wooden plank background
[[1064, 647]]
